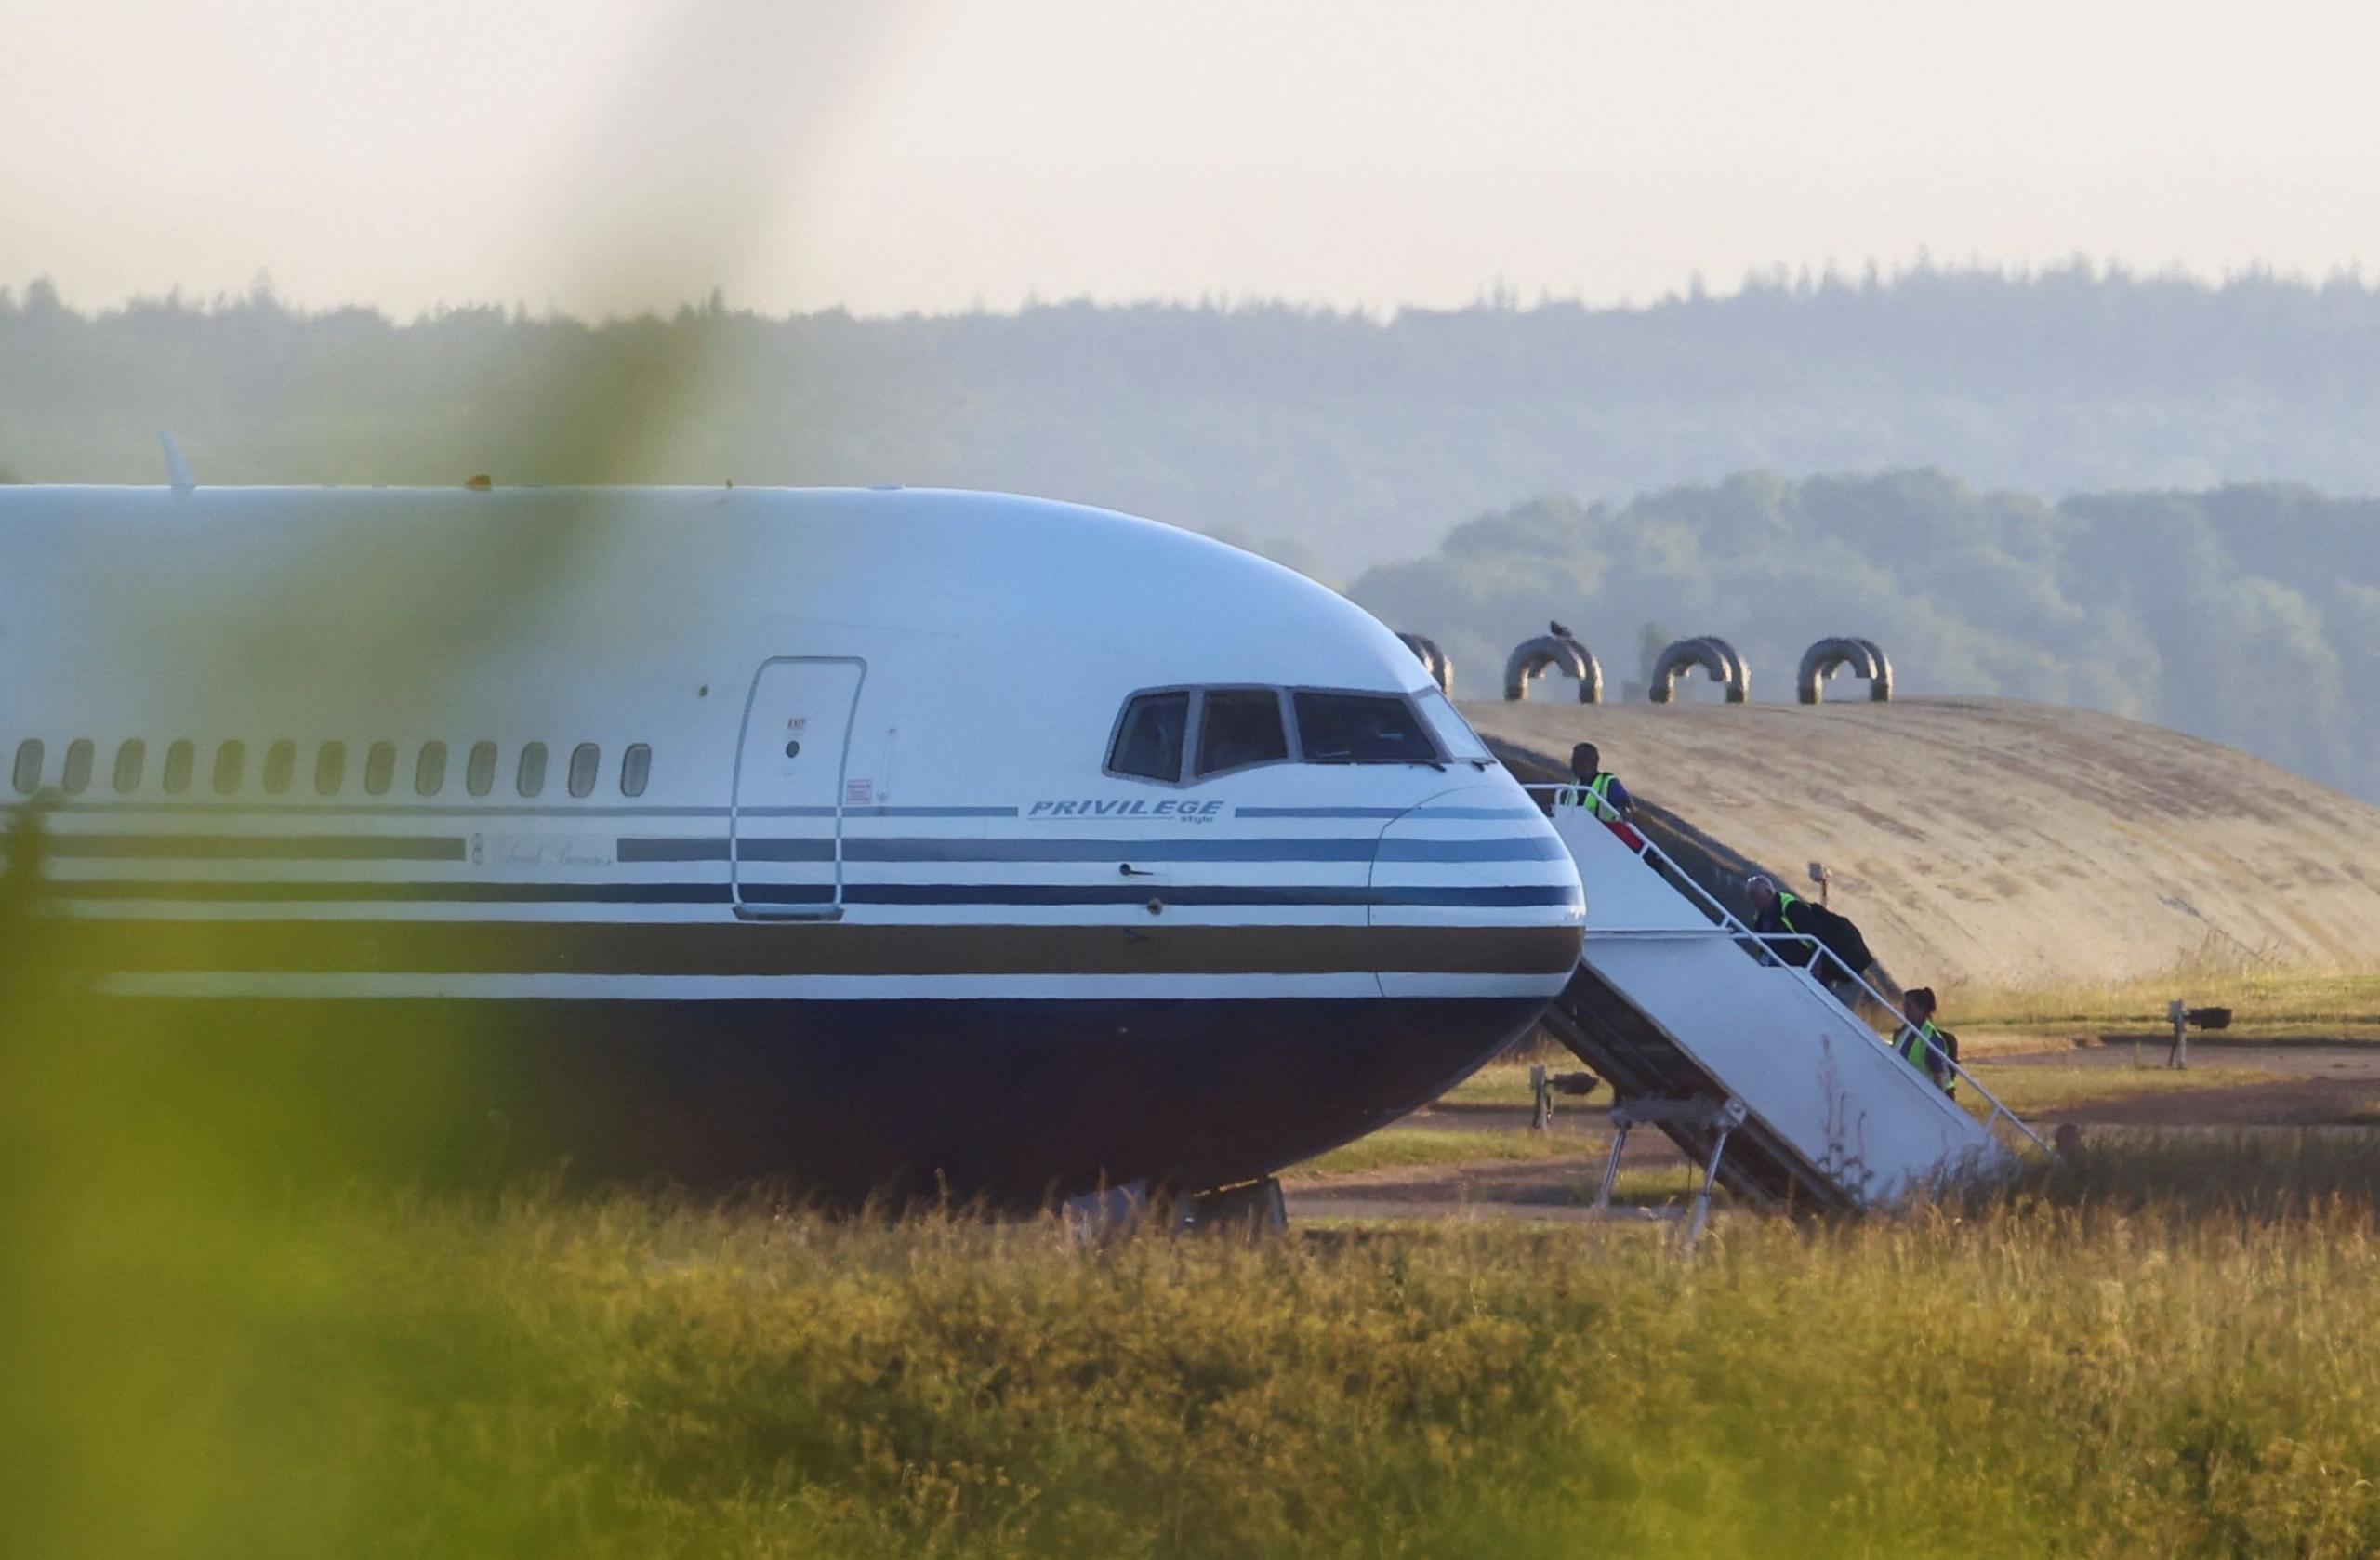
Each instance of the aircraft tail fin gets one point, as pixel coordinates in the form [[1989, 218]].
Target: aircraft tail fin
[[176, 468]]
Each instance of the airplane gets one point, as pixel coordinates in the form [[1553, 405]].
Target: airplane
[[852, 838]]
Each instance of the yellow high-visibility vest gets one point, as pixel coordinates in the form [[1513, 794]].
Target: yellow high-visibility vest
[[1920, 1046], [1595, 793]]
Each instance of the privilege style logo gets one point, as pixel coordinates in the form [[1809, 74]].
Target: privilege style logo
[[1125, 807]]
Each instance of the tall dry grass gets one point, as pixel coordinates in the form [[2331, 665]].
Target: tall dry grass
[[214, 1340], [2165, 1349]]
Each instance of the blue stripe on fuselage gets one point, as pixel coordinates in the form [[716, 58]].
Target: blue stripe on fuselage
[[1516, 895], [1537, 847]]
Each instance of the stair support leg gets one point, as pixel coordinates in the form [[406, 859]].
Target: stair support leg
[[1612, 1168], [1710, 1183]]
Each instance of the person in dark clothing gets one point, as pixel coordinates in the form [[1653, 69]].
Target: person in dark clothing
[[1778, 912]]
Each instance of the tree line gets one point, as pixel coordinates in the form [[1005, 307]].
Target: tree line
[[2248, 614], [2197, 576], [1340, 440]]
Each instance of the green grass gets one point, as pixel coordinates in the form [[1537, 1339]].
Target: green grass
[[1404, 1148], [1430, 1148], [2267, 1005], [1506, 1083], [2026, 1089], [2048, 1087]]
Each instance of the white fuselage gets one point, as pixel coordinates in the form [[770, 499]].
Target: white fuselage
[[819, 786]]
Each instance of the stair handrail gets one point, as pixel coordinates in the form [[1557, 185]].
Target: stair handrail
[[1662, 861]]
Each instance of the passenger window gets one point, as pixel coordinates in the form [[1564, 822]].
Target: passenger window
[[430, 770], [1148, 743], [531, 776], [1361, 729], [279, 766], [1239, 727], [78, 766], [130, 760], [181, 758], [586, 763], [231, 762], [379, 767], [478, 776], [27, 774], [636, 768], [330, 769]]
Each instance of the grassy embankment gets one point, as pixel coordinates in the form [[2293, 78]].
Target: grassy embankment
[[2170, 1351]]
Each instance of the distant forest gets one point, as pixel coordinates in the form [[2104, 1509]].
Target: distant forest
[[1339, 441], [2249, 615], [2201, 580]]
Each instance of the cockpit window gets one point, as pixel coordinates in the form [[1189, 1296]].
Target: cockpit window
[[1361, 729], [1148, 740], [1239, 727], [1454, 733]]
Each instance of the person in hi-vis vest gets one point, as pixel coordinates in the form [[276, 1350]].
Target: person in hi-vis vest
[[1600, 790], [1924, 1045]]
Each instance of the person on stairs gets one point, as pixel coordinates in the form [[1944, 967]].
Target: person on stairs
[[1778, 912], [1599, 788], [1923, 1045]]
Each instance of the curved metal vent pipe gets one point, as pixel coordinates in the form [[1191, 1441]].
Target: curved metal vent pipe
[[1828, 656], [1718, 660], [1534, 657]]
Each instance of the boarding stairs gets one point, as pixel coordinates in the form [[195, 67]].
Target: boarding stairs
[[1734, 1045]]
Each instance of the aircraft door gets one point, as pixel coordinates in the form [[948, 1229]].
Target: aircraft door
[[784, 830]]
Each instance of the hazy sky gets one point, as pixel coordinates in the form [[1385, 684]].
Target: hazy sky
[[604, 154]]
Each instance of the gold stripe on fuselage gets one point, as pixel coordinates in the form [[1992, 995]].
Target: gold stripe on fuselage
[[799, 948]]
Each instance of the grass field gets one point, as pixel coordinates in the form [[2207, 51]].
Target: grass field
[[212, 1343], [2024, 1089], [1418, 1148], [2028, 1091], [2266, 1005], [2174, 1352], [1505, 1083], [2034, 1090], [1403, 1147]]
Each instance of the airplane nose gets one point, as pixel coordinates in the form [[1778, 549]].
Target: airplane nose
[[1473, 895]]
